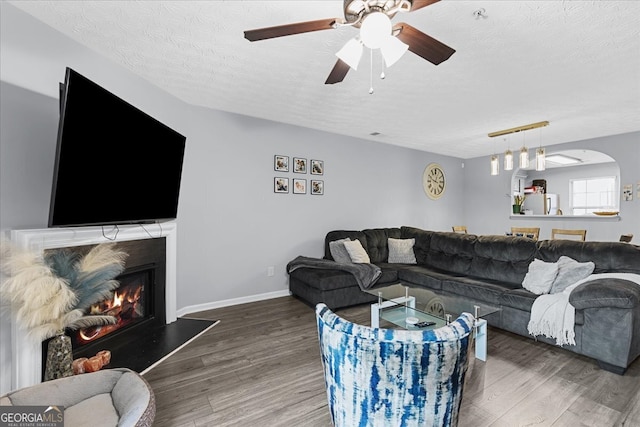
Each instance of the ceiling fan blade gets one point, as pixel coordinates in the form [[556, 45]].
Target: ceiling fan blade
[[289, 29], [423, 45], [338, 73], [419, 4]]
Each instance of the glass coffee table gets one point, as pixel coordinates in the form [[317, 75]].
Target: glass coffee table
[[417, 308]]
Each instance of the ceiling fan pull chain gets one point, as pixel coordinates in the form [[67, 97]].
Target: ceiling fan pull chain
[[382, 76], [371, 71]]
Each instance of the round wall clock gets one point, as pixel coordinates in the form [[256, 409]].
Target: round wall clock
[[433, 181]]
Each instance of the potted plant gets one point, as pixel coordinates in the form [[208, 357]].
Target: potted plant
[[518, 200]]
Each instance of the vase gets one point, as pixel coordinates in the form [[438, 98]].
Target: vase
[[59, 357], [516, 209]]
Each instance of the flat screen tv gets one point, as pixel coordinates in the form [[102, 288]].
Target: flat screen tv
[[114, 163]]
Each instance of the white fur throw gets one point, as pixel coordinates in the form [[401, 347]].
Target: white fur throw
[[540, 276]]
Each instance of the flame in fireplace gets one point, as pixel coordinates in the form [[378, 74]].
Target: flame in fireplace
[[125, 305]]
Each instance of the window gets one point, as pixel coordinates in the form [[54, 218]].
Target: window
[[593, 194]]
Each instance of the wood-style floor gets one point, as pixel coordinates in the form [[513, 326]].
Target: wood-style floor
[[260, 366]]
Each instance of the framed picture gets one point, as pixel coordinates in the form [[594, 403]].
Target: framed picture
[[280, 185], [317, 167], [299, 186], [299, 165], [317, 187], [281, 163]]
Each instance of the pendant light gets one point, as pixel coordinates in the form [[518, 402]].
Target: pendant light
[[508, 158], [495, 165], [540, 156], [524, 155]]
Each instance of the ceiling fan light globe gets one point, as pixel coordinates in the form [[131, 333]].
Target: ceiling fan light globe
[[392, 50], [375, 29], [351, 53]]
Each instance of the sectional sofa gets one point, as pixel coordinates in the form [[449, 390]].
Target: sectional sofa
[[492, 269]]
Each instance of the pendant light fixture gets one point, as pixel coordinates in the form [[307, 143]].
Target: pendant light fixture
[[540, 156], [524, 151], [495, 165], [524, 155], [508, 158]]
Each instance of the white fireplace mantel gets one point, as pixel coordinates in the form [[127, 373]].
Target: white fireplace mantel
[[26, 363]]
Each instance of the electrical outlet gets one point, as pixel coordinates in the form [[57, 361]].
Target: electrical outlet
[[270, 271]]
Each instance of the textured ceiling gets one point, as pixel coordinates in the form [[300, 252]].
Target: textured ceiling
[[573, 63]]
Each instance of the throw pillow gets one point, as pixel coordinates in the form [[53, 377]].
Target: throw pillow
[[357, 252], [569, 272], [339, 252], [540, 277], [401, 251]]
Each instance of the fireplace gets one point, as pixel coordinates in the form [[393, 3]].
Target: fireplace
[[133, 303], [151, 260], [130, 305]]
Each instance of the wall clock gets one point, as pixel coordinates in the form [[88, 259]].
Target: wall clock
[[433, 181]]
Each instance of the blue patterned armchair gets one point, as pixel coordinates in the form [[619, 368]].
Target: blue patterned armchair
[[388, 377]]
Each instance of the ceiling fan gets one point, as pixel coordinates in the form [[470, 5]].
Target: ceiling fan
[[373, 18]]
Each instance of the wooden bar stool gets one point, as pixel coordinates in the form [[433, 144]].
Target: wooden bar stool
[[530, 232], [582, 234]]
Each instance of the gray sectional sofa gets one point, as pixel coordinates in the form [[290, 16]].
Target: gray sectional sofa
[[491, 269]]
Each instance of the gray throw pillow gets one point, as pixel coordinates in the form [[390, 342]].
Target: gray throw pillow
[[357, 253], [339, 252], [401, 251], [540, 277], [569, 272]]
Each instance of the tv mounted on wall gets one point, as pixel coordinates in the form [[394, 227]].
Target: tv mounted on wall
[[114, 163]]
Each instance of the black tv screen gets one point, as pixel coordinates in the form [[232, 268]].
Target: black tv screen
[[114, 163]]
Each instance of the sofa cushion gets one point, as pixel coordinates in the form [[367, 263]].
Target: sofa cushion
[[451, 252], [502, 258], [324, 279], [476, 288], [423, 276], [342, 234], [569, 272], [608, 257], [520, 298], [376, 244], [401, 251], [338, 251], [540, 276], [328, 279], [356, 251]]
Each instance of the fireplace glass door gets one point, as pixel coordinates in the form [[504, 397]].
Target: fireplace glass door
[[129, 304]]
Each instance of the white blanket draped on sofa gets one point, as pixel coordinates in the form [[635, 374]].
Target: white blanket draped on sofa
[[553, 316]]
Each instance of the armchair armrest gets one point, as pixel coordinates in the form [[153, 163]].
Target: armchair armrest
[[610, 292]]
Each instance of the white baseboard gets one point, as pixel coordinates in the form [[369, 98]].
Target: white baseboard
[[229, 302]]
